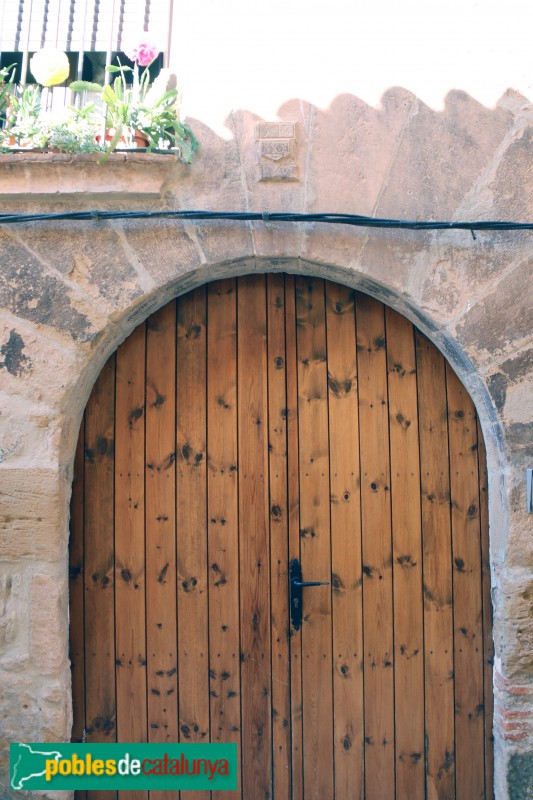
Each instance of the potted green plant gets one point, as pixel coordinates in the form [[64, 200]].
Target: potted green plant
[[138, 109], [75, 130], [25, 125], [7, 79], [65, 130], [23, 128], [136, 114]]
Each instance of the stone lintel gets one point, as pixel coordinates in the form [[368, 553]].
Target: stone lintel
[[81, 174]]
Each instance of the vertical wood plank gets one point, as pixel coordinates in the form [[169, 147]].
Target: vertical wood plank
[[193, 608], [100, 712], [315, 540], [161, 612], [129, 540], [377, 549], [488, 642], [130, 606], [437, 571], [293, 502], [407, 558], [76, 592], [222, 515], [467, 597], [76, 575], [345, 542], [279, 554], [254, 545]]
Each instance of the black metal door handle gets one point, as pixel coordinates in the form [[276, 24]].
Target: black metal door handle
[[296, 585], [309, 583]]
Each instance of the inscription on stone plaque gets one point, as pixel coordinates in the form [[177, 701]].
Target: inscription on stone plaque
[[276, 151]]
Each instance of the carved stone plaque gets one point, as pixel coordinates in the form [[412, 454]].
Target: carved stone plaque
[[276, 151]]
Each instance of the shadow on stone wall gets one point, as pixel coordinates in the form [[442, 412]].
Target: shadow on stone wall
[[401, 159]]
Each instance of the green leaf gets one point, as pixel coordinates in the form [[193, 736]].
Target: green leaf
[[112, 144], [112, 68], [85, 86], [118, 88], [5, 76], [185, 152], [188, 132], [109, 97], [170, 93]]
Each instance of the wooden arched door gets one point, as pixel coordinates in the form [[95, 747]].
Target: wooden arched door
[[251, 423]]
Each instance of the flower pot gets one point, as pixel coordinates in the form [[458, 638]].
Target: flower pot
[[140, 139], [109, 134], [134, 139], [18, 144]]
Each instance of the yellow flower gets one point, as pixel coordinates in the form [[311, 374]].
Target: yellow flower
[[49, 66]]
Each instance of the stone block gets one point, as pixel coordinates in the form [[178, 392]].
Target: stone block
[[457, 270], [89, 254], [390, 257], [519, 547], [214, 180], [351, 148], [270, 239], [511, 387], [495, 325], [165, 248], [512, 198], [49, 623], [20, 714], [519, 365], [514, 622], [519, 438], [497, 386], [55, 173], [337, 245], [14, 632], [55, 721], [30, 292], [28, 714], [520, 776], [28, 358], [439, 156], [518, 408], [223, 242], [8, 617], [33, 514], [29, 432]]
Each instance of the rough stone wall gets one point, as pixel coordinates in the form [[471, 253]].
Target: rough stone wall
[[71, 292]]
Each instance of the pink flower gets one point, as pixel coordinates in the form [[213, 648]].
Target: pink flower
[[143, 53]]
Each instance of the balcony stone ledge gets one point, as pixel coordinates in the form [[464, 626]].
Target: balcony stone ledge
[[80, 174]]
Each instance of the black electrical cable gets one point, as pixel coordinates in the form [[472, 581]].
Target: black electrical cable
[[245, 216]]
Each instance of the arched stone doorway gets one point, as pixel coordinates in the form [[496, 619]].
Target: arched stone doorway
[[256, 421]]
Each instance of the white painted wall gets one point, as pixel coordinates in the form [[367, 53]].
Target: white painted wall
[[232, 54]]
